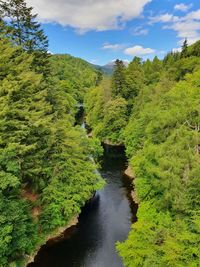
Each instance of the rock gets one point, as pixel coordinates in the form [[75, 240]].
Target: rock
[[134, 197], [129, 173], [90, 135]]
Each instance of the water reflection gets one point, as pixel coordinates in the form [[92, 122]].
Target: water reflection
[[105, 220]]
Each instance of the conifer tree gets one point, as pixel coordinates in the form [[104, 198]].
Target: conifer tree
[[184, 52], [24, 119], [118, 79], [134, 79], [26, 32], [42, 154]]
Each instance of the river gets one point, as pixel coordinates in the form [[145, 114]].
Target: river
[[105, 220]]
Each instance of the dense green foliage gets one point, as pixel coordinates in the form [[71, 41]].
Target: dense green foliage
[[164, 153], [162, 140], [23, 29], [75, 74], [46, 174], [46, 171], [102, 110], [109, 105]]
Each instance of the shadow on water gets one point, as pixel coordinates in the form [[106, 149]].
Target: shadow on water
[[105, 220]]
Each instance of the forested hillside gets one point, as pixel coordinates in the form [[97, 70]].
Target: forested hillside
[[47, 162], [153, 108], [46, 174], [75, 74]]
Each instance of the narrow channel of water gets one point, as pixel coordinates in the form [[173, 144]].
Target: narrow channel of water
[[103, 222]]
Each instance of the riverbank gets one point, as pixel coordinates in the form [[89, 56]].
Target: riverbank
[[106, 219], [116, 155], [55, 235], [130, 174]]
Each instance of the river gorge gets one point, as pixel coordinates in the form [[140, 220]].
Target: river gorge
[[106, 219]]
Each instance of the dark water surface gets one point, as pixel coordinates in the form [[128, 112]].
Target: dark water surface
[[103, 222]]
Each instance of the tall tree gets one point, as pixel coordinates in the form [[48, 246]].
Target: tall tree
[[134, 79], [184, 52], [118, 78], [26, 32], [24, 119]]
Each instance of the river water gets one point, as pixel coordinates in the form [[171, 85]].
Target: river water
[[103, 222]]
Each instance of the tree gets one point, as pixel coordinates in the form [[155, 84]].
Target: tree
[[118, 79], [153, 70], [194, 50], [75, 74], [25, 115], [184, 52], [162, 141], [26, 32], [42, 155], [134, 81], [114, 121]]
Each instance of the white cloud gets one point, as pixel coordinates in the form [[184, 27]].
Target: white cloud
[[186, 29], [93, 61], [126, 61], [138, 50], [182, 7], [85, 15], [139, 31], [113, 47], [178, 49], [164, 18], [187, 26], [189, 29], [190, 40], [194, 15]]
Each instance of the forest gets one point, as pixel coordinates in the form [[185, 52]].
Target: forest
[[151, 107], [46, 174]]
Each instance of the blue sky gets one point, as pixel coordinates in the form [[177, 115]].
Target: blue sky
[[101, 31]]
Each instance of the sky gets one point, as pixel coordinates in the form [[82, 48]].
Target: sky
[[101, 31]]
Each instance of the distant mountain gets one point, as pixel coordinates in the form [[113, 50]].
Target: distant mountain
[[72, 64], [109, 67]]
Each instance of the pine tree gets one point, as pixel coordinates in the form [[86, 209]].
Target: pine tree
[[25, 31], [134, 79], [118, 79], [184, 52], [24, 120]]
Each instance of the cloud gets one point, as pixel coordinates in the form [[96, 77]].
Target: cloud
[[175, 50], [163, 18], [186, 29], [85, 15], [93, 61], [113, 47], [182, 7], [139, 31], [138, 50], [194, 15], [187, 26], [126, 62]]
